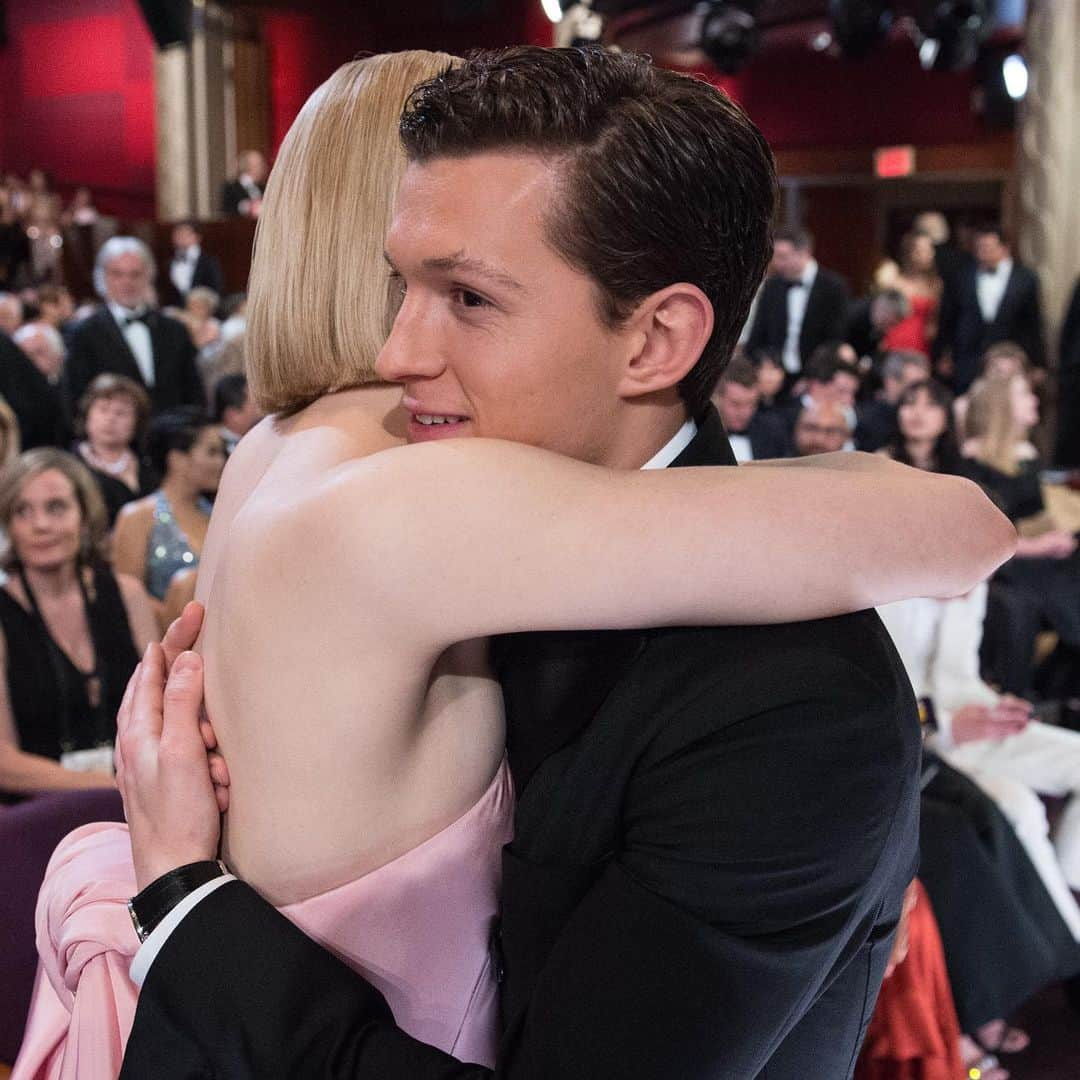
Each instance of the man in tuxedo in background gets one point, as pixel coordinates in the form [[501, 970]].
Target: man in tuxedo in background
[[35, 402], [996, 299], [128, 337], [243, 196], [714, 827], [801, 306], [754, 436], [191, 267]]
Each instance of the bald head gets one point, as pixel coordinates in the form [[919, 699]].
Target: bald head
[[823, 427], [11, 313], [45, 347]]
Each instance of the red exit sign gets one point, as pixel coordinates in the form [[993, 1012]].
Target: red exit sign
[[893, 161]]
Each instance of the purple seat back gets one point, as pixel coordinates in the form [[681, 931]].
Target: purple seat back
[[29, 832]]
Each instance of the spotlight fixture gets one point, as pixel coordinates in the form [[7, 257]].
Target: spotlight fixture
[[1014, 71], [552, 9], [729, 34], [858, 25], [953, 32]]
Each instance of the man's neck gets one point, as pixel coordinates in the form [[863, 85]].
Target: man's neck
[[644, 436]]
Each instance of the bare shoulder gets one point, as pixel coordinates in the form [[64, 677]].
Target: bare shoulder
[[132, 590], [134, 514]]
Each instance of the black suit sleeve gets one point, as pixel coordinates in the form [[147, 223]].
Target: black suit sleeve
[[752, 868], [759, 337], [835, 313], [79, 368], [191, 387], [1031, 320]]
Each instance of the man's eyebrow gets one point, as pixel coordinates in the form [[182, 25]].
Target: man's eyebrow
[[448, 264]]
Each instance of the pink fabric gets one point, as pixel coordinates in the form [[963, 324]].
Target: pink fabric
[[417, 928]]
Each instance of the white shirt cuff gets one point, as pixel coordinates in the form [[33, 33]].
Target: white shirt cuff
[[148, 950]]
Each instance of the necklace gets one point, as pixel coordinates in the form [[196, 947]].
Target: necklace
[[114, 468]]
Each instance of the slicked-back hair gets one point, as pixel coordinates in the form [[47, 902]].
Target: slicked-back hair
[[664, 178]]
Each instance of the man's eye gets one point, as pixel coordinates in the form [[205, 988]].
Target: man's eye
[[467, 298]]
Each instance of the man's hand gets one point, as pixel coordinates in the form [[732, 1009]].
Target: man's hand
[[1009, 716], [164, 772]]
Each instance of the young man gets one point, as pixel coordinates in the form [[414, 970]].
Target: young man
[[714, 827]]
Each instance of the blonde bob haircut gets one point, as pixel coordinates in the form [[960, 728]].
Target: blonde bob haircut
[[319, 298]]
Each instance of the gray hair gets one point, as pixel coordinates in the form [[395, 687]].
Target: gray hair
[[895, 299], [50, 333], [892, 367], [113, 248]]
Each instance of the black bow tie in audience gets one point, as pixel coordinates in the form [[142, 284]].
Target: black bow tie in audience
[[142, 317]]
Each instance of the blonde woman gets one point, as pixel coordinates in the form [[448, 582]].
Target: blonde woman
[[350, 582], [9, 435], [1039, 588]]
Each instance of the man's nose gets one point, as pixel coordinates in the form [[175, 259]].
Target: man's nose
[[412, 351]]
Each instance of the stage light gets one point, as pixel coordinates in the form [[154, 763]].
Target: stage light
[[953, 31], [729, 35], [1015, 72], [858, 25], [552, 9]]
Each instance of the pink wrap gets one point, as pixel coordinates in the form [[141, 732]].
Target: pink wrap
[[417, 928]]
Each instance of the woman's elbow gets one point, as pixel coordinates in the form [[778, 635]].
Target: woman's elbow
[[986, 537]]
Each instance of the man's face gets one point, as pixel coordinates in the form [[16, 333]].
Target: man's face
[[183, 237], [989, 250], [736, 405], [10, 314], [821, 429], [497, 335], [788, 260], [40, 350], [883, 314], [127, 279], [255, 166]]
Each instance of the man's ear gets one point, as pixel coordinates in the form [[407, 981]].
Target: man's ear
[[667, 333]]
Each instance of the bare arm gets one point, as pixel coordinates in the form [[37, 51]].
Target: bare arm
[[475, 537], [21, 773], [140, 612], [130, 540]]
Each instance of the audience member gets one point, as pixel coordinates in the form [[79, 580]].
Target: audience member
[[1067, 453], [70, 630], [14, 243], [55, 306], [82, 210], [9, 435], [801, 306], [997, 299], [235, 411], [948, 258], [926, 437], [191, 267], [127, 337], [243, 196], [822, 427], [876, 419], [1040, 587], [198, 317], [772, 381], [45, 347], [11, 313], [753, 435], [163, 533], [870, 319], [1000, 361], [35, 402], [921, 285], [832, 375], [112, 416]]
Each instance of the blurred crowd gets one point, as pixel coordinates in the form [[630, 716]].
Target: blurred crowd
[[118, 412]]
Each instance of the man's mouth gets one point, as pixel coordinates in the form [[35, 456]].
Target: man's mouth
[[432, 419]]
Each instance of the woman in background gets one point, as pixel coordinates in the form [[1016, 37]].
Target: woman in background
[[920, 282], [71, 630]]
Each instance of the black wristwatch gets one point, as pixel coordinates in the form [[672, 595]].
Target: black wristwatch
[[162, 895]]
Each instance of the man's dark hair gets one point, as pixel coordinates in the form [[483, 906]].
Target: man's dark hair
[[188, 223], [229, 393], [796, 236], [664, 178], [825, 362], [739, 371], [992, 228]]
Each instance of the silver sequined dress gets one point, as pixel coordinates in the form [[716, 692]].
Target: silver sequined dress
[[169, 549]]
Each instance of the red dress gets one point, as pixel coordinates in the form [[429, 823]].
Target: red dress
[[911, 334], [914, 1033]]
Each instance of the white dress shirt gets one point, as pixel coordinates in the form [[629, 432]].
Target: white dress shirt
[[990, 287], [797, 296], [137, 335], [148, 950], [182, 269]]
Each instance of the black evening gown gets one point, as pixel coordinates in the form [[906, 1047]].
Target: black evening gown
[[1004, 938]]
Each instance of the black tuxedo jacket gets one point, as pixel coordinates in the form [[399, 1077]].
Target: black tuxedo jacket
[[714, 830], [233, 194], [37, 404], [769, 436], [207, 274], [825, 318], [966, 334], [98, 345]]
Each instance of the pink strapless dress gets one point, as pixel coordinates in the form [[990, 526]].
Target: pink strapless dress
[[416, 928]]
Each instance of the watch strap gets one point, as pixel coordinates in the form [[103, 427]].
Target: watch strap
[[150, 906]]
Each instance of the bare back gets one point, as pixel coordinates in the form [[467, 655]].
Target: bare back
[[344, 751]]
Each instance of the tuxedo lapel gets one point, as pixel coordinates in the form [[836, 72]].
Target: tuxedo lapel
[[113, 338], [1009, 299]]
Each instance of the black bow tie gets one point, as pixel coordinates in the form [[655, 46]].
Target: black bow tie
[[796, 285], [143, 318]]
